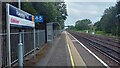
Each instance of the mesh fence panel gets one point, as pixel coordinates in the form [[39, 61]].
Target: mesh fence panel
[[28, 44]]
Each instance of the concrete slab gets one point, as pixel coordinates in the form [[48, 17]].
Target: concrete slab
[[57, 55]]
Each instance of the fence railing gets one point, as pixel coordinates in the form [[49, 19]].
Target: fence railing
[[28, 44]]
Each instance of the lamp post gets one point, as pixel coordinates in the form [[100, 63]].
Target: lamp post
[[20, 44]]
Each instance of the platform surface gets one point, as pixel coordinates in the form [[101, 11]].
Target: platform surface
[[65, 51]]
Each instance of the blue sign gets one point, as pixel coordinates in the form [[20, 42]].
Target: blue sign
[[19, 18], [19, 13], [38, 18]]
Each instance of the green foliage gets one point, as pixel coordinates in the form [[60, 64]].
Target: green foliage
[[118, 18], [52, 11], [61, 7], [97, 25], [71, 28], [82, 24], [108, 20], [100, 32], [108, 23], [62, 13], [47, 9], [27, 6]]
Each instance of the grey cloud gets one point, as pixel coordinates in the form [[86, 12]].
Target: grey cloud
[[90, 0], [83, 10]]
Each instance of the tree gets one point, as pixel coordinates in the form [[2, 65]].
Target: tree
[[28, 7], [108, 22], [97, 25], [82, 24], [71, 27], [118, 19], [46, 9], [52, 11], [62, 13]]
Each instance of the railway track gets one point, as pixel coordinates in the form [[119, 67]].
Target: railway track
[[103, 46], [104, 39], [114, 47]]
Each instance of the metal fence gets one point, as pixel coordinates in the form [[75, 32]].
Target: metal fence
[[28, 44], [56, 33]]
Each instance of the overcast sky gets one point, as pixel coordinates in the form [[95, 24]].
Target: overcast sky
[[86, 9]]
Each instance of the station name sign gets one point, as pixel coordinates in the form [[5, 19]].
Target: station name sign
[[19, 17]]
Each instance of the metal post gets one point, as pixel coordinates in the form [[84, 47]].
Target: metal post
[[34, 45], [45, 24], [20, 45], [60, 29], [8, 36], [0, 32], [20, 50], [38, 38], [19, 4], [23, 41]]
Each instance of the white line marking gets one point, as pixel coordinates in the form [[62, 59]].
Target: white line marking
[[91, 52], [73, 40]]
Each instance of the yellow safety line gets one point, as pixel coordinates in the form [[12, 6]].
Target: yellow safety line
[[70, 53]]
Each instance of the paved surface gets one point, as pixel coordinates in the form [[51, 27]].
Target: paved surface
[[57, 55], [66, 51]]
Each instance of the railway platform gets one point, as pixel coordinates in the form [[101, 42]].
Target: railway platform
[[61, 53], [66, 51]]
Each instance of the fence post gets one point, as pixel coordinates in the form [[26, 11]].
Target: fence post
[[20, 51], [34, 44], [8, 36], [0, 33], [23, 42], [45, 24], [38, 38]]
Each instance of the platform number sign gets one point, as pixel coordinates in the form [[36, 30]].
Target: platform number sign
[[38, 18]]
